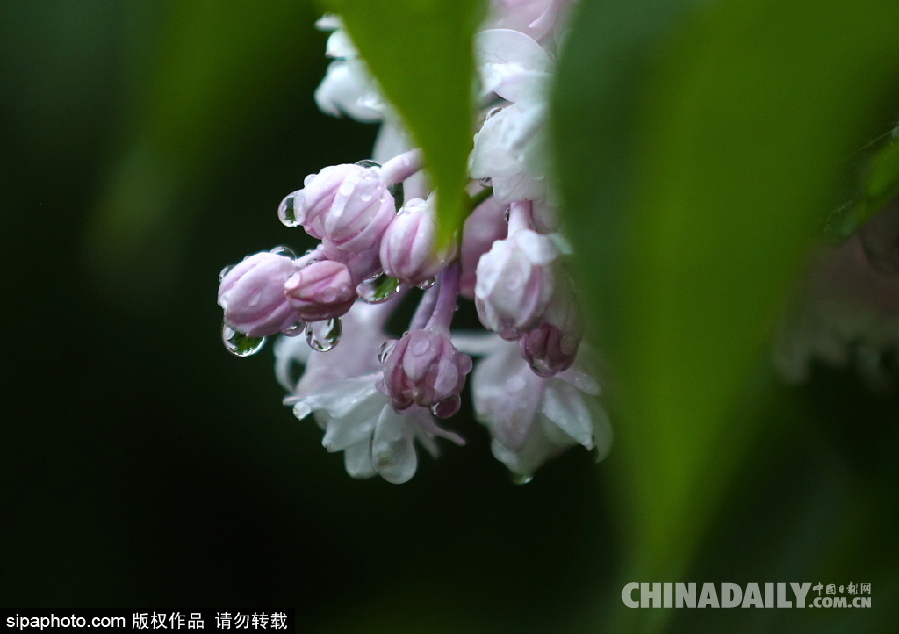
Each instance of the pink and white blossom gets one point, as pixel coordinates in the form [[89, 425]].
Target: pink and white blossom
[[533, 419]]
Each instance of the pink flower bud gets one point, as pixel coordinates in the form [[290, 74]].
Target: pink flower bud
[[252, 294], [361, 210], [515, 283], [552, 346], [407, 248], [424, 368], [549, 350], [322, 290], [308, 207]]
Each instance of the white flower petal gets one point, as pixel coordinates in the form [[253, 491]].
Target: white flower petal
[[357, 460], [348, 89], [393, 452], [340, 46], [512, 64], [563, 404]]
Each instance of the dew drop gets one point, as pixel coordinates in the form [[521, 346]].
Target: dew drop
[[520, 478], [323, 335], [428, 283], [367, 164], [225, 271], [420, 347], [507, 213], [295, 330], [302, 409], [287, 210], [285, 251], [377, 289], [486, 181], [447, 407], [385, 350], [239, 344], [541, 368]]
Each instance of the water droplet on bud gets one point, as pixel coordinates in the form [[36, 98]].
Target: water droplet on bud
[[239, 344], [323, 335], [377, 289], [428, 283], [486, 181], [385, 350], [368, 164], [447, 407], [506, 213], [296, 329], [287, 210], [287, 252], [225, 271], [520, 478]]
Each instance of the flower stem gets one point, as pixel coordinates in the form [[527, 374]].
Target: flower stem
[[447, 298]]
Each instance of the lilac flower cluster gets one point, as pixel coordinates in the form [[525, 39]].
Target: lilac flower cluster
[[375, 396], [845, 311]]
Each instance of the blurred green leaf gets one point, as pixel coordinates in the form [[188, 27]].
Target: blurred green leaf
[[881, 182], [697, 145], [198, 93], [421, 53]]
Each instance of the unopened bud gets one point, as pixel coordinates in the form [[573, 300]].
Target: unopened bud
[[252, 295], [515, 283], [408, 246], [323, 290], [424, 368]]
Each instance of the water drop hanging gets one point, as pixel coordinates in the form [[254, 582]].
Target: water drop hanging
[[287, 210], [368, 164], [323, 335], [285, 251], [225, 271], [239, 344], [520, 479], [385, 350], [296, 329], [428, 283], [378, 289]]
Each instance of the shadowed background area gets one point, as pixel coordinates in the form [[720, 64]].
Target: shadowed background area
[[147, 145]]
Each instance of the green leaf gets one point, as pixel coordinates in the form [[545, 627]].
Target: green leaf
[[421, 52], [698, 145], [881, 182]]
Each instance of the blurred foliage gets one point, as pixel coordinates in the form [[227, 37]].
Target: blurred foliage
[[421, 51], [148, 144], [715, 137], [877, 184], [216, 70]]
